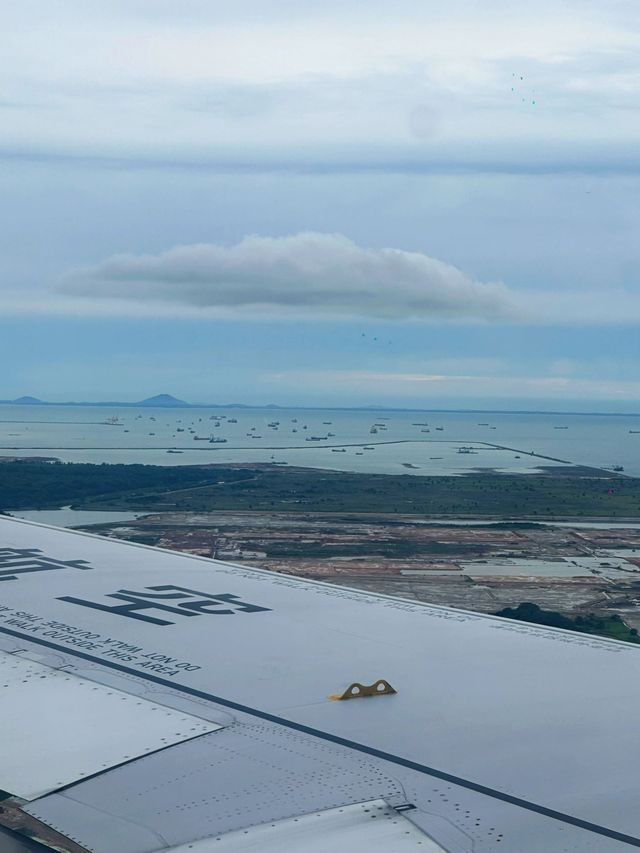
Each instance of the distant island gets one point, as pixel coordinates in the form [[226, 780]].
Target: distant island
[[168, 401], [158, 401]]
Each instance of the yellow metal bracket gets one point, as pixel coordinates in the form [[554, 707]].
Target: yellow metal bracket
[[359, 691]]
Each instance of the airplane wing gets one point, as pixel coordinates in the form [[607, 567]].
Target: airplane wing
[[157, 701]]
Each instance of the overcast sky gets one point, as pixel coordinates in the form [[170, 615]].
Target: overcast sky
[[355, 202]]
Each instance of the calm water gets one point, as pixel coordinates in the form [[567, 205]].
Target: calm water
[[67, 517], [400, 444]]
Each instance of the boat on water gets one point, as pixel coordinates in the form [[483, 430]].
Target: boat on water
[[373, 430], [338, 450], [217, 441], [114, 420]]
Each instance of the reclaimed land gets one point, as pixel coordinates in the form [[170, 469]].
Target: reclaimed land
[[272, 488], [588, 579]]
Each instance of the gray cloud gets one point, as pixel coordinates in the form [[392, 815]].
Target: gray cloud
[[309, 273]]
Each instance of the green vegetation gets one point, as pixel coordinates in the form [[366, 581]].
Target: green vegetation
[[269, 488], [25, 485], [611, 626]]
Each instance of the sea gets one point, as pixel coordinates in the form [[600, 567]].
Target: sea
[[381, 442]]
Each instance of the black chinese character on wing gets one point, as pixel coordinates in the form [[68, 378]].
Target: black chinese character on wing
[[183, 602], [19, 561]]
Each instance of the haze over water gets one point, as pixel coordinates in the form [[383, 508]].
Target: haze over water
[[145, 435]]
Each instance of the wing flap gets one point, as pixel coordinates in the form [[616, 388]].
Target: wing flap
[[371, 827], [58, 728]]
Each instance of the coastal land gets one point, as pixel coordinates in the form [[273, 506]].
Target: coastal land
[[566, 541]]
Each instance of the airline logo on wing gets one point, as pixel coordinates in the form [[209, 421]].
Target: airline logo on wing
[[164, 599], [167, 599], [20, 561]]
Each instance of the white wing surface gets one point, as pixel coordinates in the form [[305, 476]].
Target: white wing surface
[[156, 701]]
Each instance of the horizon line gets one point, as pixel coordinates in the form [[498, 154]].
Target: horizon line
[[183, 404]]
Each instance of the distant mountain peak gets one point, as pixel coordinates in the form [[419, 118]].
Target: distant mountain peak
[[27, 401], [162, 400]]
